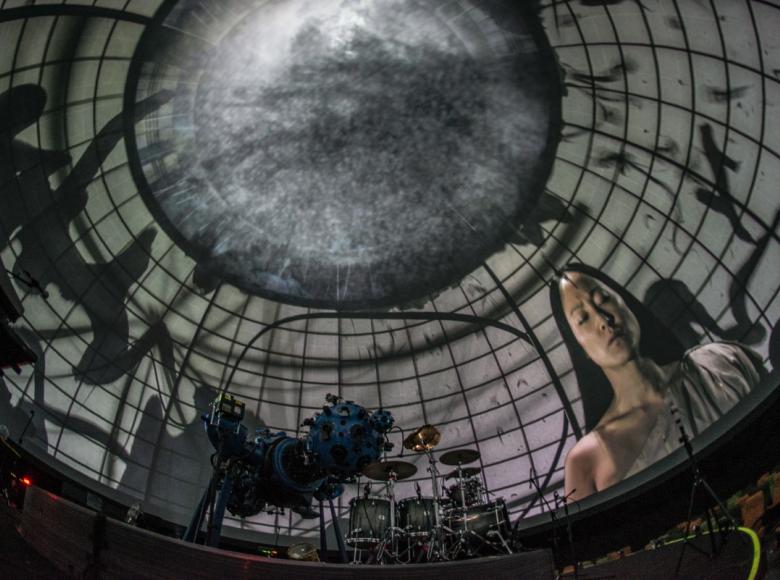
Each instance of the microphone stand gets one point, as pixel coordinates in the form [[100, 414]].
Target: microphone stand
[[564, 500], [554, 518], [550, 510], [700, 482]]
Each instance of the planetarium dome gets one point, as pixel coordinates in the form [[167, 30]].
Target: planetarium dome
[[383, 192]]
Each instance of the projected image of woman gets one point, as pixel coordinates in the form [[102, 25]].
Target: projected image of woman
[[632, 372]]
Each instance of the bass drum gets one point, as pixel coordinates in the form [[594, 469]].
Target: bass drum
[[369, 519], [417, 516], [482, 528]]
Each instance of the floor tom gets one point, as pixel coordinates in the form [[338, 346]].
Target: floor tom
[[417, 516], [369, 518]]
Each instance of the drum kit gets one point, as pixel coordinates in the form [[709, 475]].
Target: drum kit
[[459, 521]]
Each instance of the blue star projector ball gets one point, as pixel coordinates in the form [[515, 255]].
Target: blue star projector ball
[[382, 420], [344, 438]]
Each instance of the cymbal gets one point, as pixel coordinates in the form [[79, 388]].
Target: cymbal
[[423, 439], [380, 470], [466, 471], [461, 456]]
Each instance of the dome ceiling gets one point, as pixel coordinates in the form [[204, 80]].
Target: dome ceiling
[[344, 154], [181, 175]]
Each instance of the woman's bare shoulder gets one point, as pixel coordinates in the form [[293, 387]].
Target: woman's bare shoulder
[[580, 467], [585, 452]]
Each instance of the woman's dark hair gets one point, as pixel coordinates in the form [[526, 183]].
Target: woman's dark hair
[[656, 342]]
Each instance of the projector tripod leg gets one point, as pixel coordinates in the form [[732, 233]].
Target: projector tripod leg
[[218, 514], [337, 530], [191, 534]]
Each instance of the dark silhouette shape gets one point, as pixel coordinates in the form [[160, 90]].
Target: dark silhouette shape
[[676, 306], [745, 329], [671, 148], [613, 74], [623, 160], [716, 95], [204, 280], [719, 199], [549, 207], [189, 451], [16, 417], [674, 23], [609, 115], [143, 450], [591, 84], [774, 346], [24, 169], [39, 377], [43, 218]]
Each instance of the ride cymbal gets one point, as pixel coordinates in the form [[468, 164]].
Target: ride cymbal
[[382, 470], [459, 456]]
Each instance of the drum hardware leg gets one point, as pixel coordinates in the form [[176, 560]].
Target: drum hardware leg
[[496, 533]]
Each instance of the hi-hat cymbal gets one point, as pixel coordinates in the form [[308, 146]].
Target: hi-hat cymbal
[[466, 472], [381, 470], [423, 439], [459, 456]]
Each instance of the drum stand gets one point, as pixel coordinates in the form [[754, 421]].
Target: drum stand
[[382, 551], [465, 533]]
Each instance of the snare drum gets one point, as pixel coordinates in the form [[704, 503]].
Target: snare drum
[[417, 516], [369, 518]]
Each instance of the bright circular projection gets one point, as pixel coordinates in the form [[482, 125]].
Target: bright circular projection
[[346, 154]]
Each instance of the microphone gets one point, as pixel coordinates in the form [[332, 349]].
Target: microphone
[[366, 490], [419, 492]]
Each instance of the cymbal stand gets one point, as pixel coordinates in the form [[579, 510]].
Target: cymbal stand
[[436, 549], [382, 550], [462, 487]]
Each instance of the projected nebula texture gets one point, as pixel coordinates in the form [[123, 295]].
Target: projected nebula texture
[[350, 153]]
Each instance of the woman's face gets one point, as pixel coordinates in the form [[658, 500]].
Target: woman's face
[[601, 322]]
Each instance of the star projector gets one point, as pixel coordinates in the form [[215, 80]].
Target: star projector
[[275, 469]]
